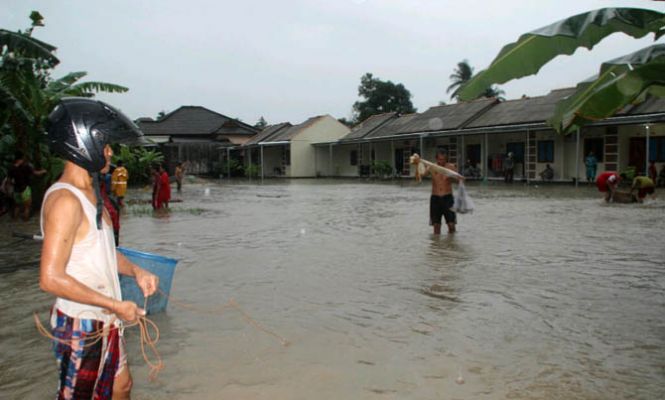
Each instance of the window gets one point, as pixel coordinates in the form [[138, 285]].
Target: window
[[518, 151], [354, 157], [657, 149], [596, 145], [545, 151]]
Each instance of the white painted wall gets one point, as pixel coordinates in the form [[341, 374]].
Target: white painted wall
[[342, 161], [272, 158], [303, 159]]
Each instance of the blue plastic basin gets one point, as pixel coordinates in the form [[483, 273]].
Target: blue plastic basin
[[163, 267]]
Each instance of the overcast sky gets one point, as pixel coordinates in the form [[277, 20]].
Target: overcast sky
[[288, 60]]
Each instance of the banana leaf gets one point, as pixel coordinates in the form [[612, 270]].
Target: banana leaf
[[87, 89], [535, 49], [28, 46], [622, 81]]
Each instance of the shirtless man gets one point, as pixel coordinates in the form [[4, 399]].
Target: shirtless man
[[442, 195], [79, 263]]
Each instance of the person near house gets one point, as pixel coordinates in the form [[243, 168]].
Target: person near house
[[547, 174], [179, 175], [591, 163], [470, 170], [156, 184], [661, 176], [5, 196], [119, 182], [644, 186], [20, 176], [79, 263], [652, 172], [113, 209], [164, 191], [441, 199], [607, 183], [508, 168]]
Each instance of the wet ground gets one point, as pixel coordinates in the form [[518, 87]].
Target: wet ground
[[544, 293]]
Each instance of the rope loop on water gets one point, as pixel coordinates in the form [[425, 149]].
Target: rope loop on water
[[149, 331]]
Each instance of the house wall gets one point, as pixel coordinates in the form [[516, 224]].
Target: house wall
[[201, 158], [272, 161], [239, 140], [322, 158], [303, 157], [561, 153], [636, 131], [342, 161], [471, 140], [565, 164]]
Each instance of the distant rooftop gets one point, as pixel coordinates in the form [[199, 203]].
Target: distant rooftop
[[195, 121]]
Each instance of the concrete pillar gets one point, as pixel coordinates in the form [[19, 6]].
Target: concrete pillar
[[486, 155], [261, 147], [577, 157]]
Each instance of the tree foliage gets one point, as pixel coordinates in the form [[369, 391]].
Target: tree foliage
[[261, 123], [461, 75], [28, 93], [535, 49], [138, 161], [381, 97]]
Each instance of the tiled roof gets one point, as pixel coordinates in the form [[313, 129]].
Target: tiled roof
[[367, 126], [194, 120], [520, 111], [268, 132], [448, 116], [393, 127], [652, 105]]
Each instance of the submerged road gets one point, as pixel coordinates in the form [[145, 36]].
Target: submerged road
[[544, 293]]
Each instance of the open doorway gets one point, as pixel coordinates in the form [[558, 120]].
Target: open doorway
[[637, 154]]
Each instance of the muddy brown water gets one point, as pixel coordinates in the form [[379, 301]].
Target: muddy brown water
[[544, 293]]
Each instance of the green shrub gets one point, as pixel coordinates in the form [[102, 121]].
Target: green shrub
[[252, 171], [138, 161], [382, 169]]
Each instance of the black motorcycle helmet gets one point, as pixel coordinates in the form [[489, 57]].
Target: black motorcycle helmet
[[79, 128]]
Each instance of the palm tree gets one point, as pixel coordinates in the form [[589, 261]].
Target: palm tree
[[460, 75], [494, 91]]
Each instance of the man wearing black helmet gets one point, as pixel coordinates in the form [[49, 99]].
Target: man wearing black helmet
[[79, 262]]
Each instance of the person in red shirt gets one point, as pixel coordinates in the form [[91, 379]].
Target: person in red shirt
[[164, 189], [113, 211], [607, 183]]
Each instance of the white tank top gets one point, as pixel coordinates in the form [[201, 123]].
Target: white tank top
[[92, 261]]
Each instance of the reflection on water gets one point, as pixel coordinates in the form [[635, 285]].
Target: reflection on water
[[543, 293]]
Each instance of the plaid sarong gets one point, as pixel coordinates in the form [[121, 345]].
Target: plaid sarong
[[87, 369]]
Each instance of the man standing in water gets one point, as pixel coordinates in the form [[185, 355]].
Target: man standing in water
[[79, 263], [442, 195]]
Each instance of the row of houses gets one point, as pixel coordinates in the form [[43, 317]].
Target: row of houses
[[478, 133]]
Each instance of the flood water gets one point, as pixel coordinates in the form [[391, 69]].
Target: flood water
[[544, 293]]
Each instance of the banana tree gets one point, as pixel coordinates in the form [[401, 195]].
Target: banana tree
[[622, 81], [27, 91], [535, 49]]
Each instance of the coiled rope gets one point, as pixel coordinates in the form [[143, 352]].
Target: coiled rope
[[149, 340]]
